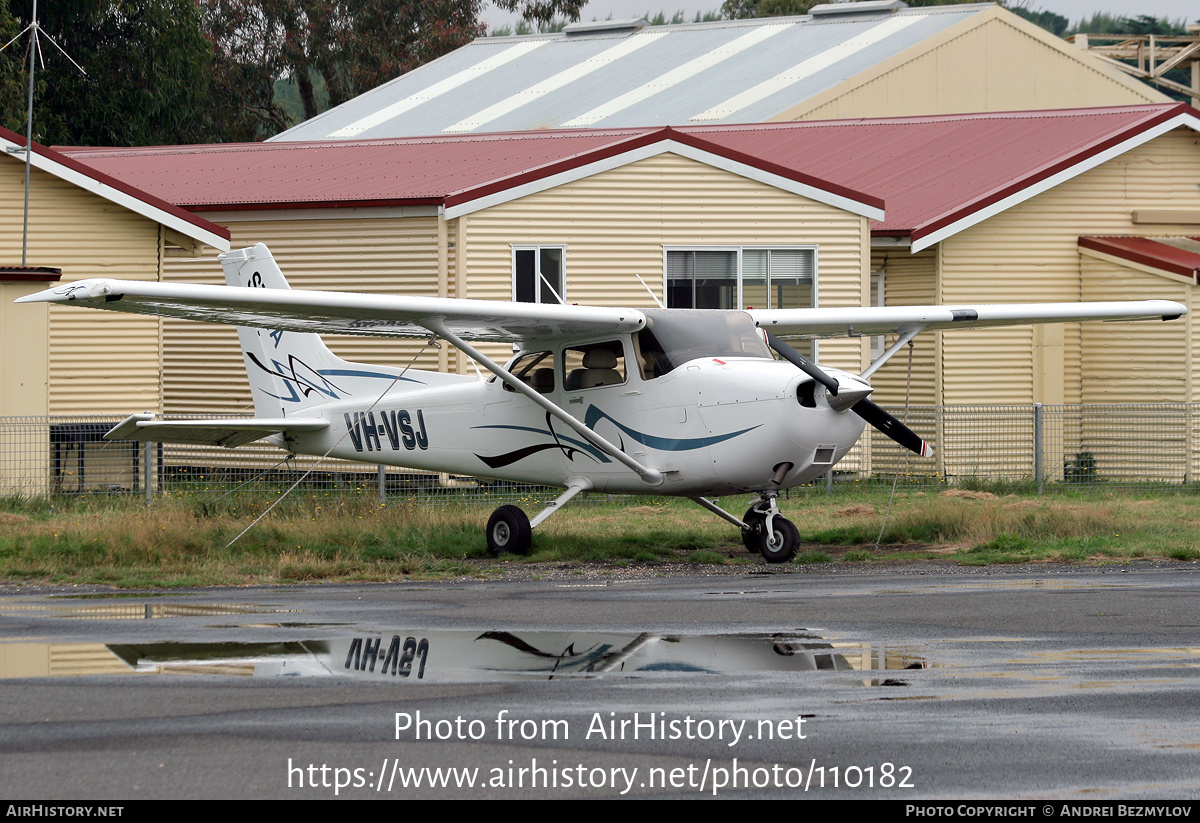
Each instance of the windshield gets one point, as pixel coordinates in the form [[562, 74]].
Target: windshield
[[672, 337]]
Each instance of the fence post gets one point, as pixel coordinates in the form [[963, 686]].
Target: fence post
[[147, 451], [382, 484], [1038, 448]]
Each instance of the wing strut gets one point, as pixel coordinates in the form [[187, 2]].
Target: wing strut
[[908, 335], [649, 475]]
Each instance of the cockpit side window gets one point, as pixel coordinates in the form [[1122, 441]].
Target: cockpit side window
[[594, 365], [652, 360]]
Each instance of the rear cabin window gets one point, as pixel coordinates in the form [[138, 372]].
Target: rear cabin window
[[535, 370]]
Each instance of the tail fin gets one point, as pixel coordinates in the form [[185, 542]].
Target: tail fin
[[292, 371]]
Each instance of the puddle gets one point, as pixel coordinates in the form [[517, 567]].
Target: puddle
[[135, 611], [469, 656]]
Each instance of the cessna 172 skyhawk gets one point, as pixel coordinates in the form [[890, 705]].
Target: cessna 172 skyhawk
[[677, 402]]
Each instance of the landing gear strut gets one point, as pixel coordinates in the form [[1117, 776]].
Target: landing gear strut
[[510, 530]]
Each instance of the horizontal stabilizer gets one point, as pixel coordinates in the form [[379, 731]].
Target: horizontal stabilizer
[[227, 433]]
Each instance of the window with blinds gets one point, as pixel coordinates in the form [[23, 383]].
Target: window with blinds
[[759, 278]]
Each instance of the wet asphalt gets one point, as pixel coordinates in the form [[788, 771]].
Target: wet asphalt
[[914, 682]]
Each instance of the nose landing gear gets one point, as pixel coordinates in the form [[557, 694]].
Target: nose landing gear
[[764, 530], [770, 534]]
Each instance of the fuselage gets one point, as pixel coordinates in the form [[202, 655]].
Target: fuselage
[[710, 425]]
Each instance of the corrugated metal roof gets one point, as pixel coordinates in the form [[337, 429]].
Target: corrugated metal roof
[[731, 71], [404, 171], [119, 191], [932, 171], [358, 173], [1177, 255], [928, 171]]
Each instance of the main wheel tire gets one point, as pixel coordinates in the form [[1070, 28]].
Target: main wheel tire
[[783, 542], [753, 539], [508, 530]]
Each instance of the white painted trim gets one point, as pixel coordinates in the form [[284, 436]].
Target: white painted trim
[[653, 150], [777, 181], [1052, 181], [1142, 267], [521, 98], [350, 213], [113, 195], [455, 80]]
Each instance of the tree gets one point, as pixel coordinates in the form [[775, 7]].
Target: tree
[[745, 9], [737, 9], [147, 64], [351, 45]]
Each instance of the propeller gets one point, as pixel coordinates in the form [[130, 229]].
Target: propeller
[[869, 411]]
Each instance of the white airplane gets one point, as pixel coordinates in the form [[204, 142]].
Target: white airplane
[[688, 403]]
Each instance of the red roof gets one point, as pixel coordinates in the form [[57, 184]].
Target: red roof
[[935, 170], [929, 172], [66, 163], [1177, 255], [395, 171]]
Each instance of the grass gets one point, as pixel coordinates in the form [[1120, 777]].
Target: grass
[[184, 541]]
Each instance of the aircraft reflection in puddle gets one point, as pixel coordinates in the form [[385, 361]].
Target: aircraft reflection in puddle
[[463, 656]]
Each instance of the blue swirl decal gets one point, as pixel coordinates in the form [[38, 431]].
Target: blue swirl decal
[[672, 444]]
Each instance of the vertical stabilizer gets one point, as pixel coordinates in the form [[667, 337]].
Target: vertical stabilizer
[[291, 371]]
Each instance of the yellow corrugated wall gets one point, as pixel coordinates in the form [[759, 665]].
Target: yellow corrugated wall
[[202, 363], [1145, 362], [616, 224], [992, 66], [1029, 253], [908, 281], [99, 362]]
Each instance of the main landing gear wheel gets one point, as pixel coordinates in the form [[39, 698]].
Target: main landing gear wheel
[[753, 539], [781, 545], [508, 530]]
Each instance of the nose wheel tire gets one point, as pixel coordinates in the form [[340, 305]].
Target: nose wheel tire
[[508, 530], [753, 539], [781, 545]]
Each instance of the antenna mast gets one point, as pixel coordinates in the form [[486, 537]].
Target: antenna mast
[[35, 51]]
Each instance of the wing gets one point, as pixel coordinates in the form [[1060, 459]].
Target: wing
[[902, 319], [345, 312], [227, 433]]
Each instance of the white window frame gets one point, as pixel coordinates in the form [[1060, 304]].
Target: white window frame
[[878, 288], [538, 281]]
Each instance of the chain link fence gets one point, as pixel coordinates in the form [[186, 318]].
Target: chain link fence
[[1039, 448]]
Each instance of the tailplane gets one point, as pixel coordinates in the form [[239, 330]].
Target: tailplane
[[293, 371]]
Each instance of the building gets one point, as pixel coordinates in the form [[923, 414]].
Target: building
[[55, 361], [865, 59], [993, 207]]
